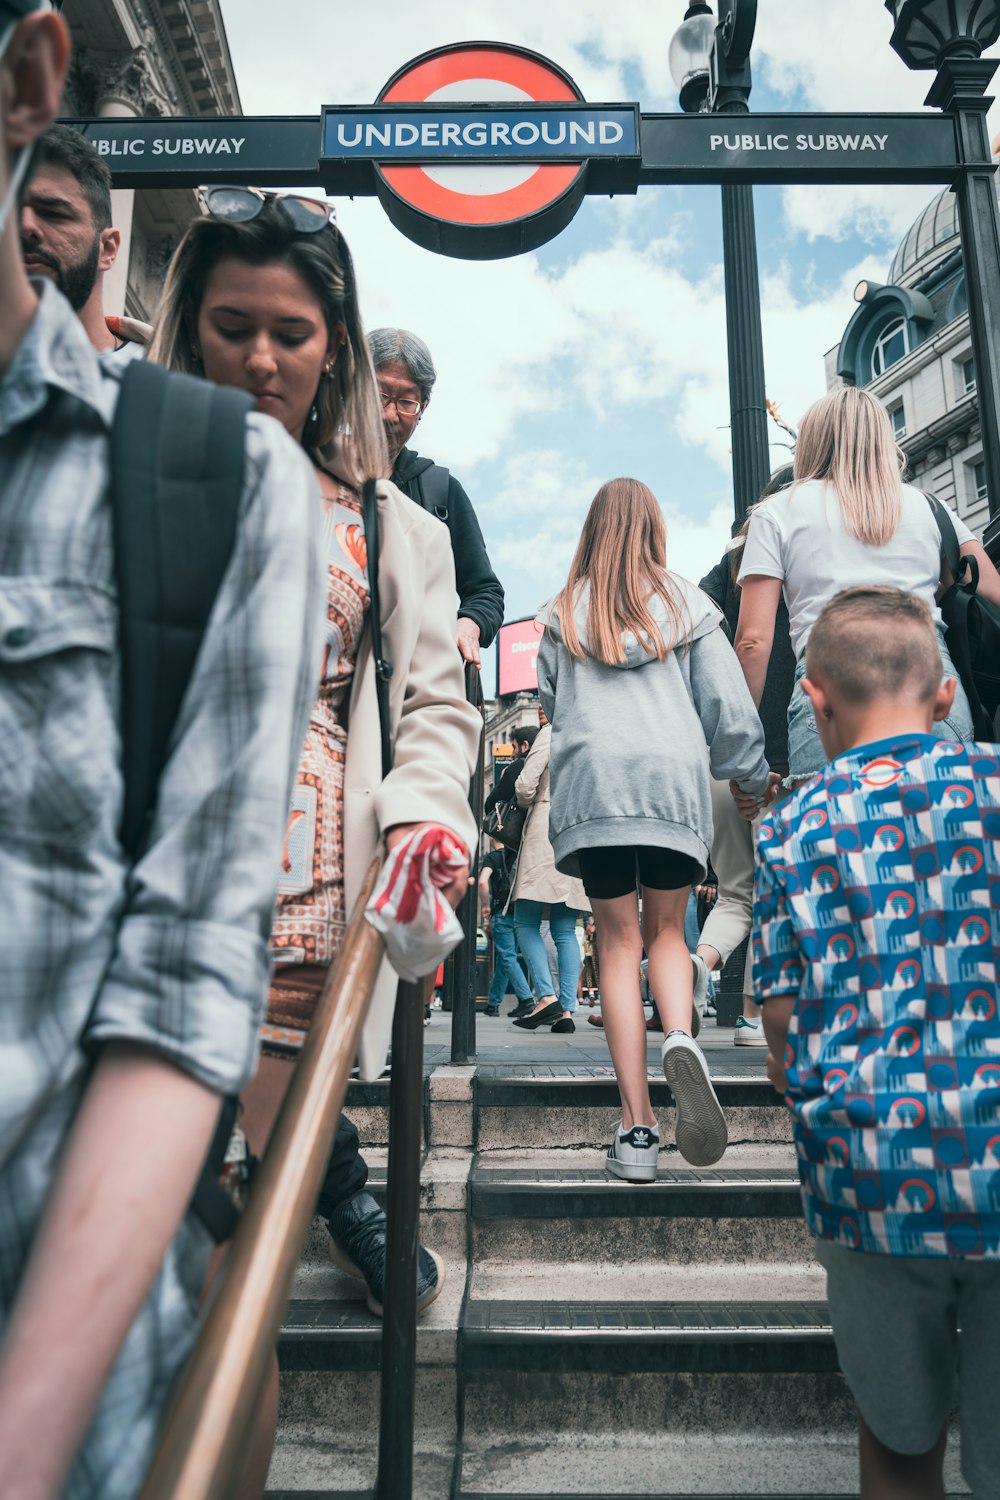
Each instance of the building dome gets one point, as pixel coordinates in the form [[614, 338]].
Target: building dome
[[931, 236]]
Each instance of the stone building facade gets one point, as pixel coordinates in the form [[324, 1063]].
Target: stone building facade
[[909, 343], [148, 58]]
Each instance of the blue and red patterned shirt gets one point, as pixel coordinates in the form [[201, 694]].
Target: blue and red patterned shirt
[[877, 907]]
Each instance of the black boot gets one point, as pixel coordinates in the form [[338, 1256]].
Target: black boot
[[357, 1234]]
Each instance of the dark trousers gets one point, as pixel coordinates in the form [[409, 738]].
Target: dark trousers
[[346, 1171]]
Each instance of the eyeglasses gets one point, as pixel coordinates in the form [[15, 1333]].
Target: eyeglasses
[[405, 405], [238, 205]]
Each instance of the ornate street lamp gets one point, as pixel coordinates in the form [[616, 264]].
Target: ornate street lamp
[[710, 65], [928, 31], [689, 53], [949, 36]]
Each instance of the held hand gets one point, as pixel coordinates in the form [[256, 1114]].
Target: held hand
[[747, 805], [467, 637], [453, 892], [707, 893], [773, 786], [776, 1073]]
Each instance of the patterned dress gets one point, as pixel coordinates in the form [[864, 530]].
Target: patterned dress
[[310, 917]]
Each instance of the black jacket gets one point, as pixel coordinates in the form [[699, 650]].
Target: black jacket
[[719, 586], [480, 591], [504, 789]]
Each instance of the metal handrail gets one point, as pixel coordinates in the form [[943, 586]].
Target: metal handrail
[[463, 960], [202, 1443]]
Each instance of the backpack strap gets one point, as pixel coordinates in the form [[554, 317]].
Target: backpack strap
[[432, 486], [950, 550], [383, 667], [178, 455]]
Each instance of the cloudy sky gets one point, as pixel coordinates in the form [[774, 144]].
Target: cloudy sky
[[604, 352]]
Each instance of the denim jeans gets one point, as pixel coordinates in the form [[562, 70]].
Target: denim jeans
[[507, 971], [805, 752], [562, 925]]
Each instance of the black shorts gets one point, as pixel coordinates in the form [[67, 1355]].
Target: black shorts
[[618, 871]]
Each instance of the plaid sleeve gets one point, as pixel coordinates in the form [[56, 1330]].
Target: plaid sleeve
[[777, 961], [189, 975]]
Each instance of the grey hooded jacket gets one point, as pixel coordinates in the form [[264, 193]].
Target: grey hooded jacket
[[633, 745]]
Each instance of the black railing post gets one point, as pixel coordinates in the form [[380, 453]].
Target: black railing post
[[463, 960], [399, 1312]]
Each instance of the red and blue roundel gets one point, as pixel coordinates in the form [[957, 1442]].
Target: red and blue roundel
[[481, 210]]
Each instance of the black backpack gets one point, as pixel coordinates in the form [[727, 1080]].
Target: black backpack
[[177, 466], [178, 457], [972, 628]]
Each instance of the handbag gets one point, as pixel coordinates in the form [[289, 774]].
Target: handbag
[[383, 667], [505, 821], [972, 627]]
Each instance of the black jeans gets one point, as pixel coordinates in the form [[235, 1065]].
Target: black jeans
[[346, 1171]]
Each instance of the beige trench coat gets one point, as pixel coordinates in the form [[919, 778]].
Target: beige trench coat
[[537, 878], [436, 733]]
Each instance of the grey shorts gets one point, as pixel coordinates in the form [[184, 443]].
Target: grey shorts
[[896, 1321]]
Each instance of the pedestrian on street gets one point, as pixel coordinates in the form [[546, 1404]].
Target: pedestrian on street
[[628, 643], [538, 886], [494, 893]]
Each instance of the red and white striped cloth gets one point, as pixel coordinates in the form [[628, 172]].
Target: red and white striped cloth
[[407, 907]]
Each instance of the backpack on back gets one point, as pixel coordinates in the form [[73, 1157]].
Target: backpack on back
[[178, 460], [432, 491], [972, 628], [178, 456]]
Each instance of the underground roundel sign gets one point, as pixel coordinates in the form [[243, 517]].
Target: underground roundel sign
[[483, 209]]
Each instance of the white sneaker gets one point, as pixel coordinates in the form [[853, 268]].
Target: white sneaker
[[749, 1034], [700, 972], [632, 1154], [702, 1136]]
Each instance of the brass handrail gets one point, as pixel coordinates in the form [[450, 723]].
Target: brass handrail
[[201, 1445]]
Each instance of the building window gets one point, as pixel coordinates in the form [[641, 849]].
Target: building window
[[979, 479], [897, 416], [967, 376], [890, 346]]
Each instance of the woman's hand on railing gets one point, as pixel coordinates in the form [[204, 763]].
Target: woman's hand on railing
[[456, 889]]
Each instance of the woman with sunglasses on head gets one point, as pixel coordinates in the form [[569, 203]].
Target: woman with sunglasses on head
[[261, 295]]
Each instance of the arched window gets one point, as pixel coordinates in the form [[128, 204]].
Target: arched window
[[890, 346]]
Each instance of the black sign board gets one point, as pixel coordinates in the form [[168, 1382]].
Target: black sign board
[[798, 148], [288, 151]]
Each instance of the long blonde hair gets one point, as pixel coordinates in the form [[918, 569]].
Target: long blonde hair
[[846, 440], [622, 554], [348, 402]]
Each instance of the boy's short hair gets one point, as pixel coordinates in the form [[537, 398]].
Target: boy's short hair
[[61, 146], [875, 640], [529, 733]]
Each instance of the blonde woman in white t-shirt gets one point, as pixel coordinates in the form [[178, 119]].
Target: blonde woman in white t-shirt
[[846, 520]]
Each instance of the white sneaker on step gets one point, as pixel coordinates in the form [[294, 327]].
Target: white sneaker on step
[[749, 1034], [632, 1154], [701, 1131]]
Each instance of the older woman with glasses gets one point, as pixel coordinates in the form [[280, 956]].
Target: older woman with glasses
[[261, 295], [406, 375]]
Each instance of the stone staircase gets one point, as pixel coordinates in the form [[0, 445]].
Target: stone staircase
[[594, 1338]]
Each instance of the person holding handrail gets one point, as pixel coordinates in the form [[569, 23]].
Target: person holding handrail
[[261, 295]]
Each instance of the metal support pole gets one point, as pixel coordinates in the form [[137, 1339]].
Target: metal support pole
[[399, 1320], [463, 960], [744, 341], [960, 87]]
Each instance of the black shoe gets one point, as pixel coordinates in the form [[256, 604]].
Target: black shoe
[[489, 1011], [522, 1008], [545, 1016], [565, 1024], [357, 1246]]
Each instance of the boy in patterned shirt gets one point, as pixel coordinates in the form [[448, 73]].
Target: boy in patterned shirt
[[876, 940]]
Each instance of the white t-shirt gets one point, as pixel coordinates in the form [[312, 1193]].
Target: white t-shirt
[[798, 536]]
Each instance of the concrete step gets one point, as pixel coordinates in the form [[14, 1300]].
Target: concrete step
[[543, 1108], [746, 1210]]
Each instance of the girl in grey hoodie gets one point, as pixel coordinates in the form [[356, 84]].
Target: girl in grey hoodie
[[646, 699]]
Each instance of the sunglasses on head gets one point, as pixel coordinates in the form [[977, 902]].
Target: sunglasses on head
[[238, 205]]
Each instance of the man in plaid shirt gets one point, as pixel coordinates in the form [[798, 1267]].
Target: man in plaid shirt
[[129, 998]]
